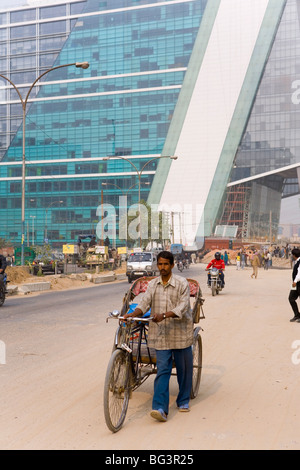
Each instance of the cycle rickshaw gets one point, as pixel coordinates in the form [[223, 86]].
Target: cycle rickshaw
[[132, 361]]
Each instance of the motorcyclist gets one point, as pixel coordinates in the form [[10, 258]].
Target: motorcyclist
[[179, 260], [3, 265], [218, 263]]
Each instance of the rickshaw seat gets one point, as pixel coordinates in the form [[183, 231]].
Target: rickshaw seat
[[141, 286]]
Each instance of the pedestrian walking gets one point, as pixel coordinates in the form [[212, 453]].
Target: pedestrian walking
[[243, 260], [295, 290], [269, 260], [238, 261], [255, 265], [266, 261]]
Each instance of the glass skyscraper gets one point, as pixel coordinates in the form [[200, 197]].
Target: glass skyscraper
[[122, 105], [212, 82]]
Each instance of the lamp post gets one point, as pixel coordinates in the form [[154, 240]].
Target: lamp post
[[47, 208], [33, 217], [139, 173], [83, 65]]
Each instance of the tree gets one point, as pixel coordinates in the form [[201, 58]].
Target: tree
[[44, 252], [153, 226], [4, 243]]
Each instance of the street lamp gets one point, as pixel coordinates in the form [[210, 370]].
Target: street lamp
[[82, 65], [139, 173], [48, 207]]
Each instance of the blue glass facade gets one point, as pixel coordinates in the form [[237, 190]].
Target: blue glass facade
[[122, 105]]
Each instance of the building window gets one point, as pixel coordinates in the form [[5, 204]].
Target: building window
[[52, 12], [22, 16], [144, 133], [52, 28], [23, 31], [15, 187]]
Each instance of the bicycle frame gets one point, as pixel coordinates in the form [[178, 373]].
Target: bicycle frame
[[132, 337], [132, 362]]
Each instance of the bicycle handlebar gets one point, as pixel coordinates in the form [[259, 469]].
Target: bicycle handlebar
[[142, 319], [137, 319]]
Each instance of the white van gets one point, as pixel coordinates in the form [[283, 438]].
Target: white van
[[141, 264]]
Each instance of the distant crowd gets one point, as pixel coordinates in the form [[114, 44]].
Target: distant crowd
[[244, 258]]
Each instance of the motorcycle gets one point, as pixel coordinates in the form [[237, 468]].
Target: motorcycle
[[215, 282], [186, 264], [180, 266], [3, 284]]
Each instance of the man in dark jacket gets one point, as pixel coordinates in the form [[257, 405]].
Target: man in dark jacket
[[295, 291], [3, 265]]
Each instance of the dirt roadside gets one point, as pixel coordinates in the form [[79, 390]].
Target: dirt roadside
[[18, 276]]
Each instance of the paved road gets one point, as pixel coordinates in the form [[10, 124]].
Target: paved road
[[58, 346]]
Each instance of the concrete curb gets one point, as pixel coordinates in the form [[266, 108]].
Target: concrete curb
[[29, 287], [34, 287], [11, 289], [98, 279], [121, 277]]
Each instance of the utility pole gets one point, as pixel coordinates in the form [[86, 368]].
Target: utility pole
[[172, 225], [33, 217], [180, 227]]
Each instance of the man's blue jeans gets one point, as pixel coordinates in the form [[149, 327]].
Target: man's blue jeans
[[184, 366]]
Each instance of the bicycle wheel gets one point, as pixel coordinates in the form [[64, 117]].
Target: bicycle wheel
[[117, 390], [197, 365]]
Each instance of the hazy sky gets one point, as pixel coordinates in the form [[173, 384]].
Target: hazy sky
[[11, 3], [17, 3], [290, 210]]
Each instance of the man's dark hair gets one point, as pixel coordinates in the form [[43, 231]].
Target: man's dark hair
[[166, 255], [296, 252]]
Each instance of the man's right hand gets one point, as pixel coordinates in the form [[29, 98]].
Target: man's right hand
[[127, 315], [130, 315]]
